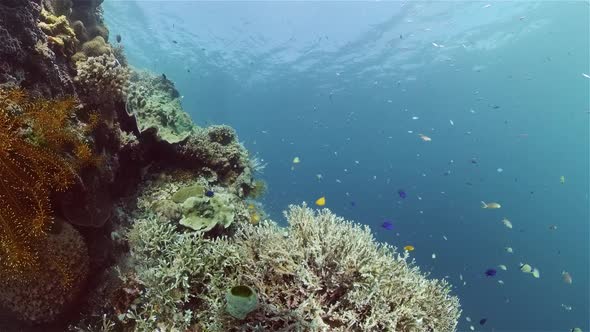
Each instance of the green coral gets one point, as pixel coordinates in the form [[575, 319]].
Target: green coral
[[92, 48], [185, 192], [59, 33], [203, 213]]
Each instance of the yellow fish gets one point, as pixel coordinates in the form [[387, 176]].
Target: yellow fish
[[562, 179], [425, 138], [409, 248], [254, 218], [296, 160], [321, 201], [491, 205]]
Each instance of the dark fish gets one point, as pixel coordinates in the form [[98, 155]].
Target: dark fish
[[209, 193], [490, 272], [495, 107], [469, 183], [164, 76], [352, 203], [402, 193], [188, 70], [118, 37], [388, 225], [473, 161], [174, 41], [483, 321], [401, 36]]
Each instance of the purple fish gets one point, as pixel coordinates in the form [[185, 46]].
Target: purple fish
[[402, 193], [490, 272], [388, 225]]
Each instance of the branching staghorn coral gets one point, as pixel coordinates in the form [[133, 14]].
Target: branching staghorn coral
[[321, 274]]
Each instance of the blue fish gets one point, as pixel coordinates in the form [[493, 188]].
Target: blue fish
[[388, 225], [352, 203], [402, 193], [209, 193], [483, 321], [490, 272]]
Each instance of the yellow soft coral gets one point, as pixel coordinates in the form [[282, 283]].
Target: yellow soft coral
[[35, 135]]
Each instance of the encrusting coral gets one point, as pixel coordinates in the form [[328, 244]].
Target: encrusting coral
[[322, 273]]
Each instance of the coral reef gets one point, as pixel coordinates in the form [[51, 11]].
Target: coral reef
[[26, 60], [156, 104], [114, 194], [217, 148], [103, 78], [332, 277], [39, 154], [56, 284], [59, 33]]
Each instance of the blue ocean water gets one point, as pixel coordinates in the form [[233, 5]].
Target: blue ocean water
[[347, 87]]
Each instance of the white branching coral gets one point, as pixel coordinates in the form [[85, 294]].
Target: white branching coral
[[322, 273], [102, 78]]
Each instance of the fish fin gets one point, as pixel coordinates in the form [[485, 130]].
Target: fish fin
[[483, 205]]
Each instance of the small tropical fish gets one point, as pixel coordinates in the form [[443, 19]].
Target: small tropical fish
[[576, 329], [507, 223], [409, 248], [586, 75], [296, 160], [319, 177], [526, 268], [553, 227], [320, 201], [251, 206], [425, 138], [468, 319], [567, 278], [254, 218], [536, 273], [483, 321], [562, 179], [491, 205], [501, 282], [118, 37], [402, 193], [490, 272], [209, 193], [508, 250], [502, 267], [451, 122], [388, 225]]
